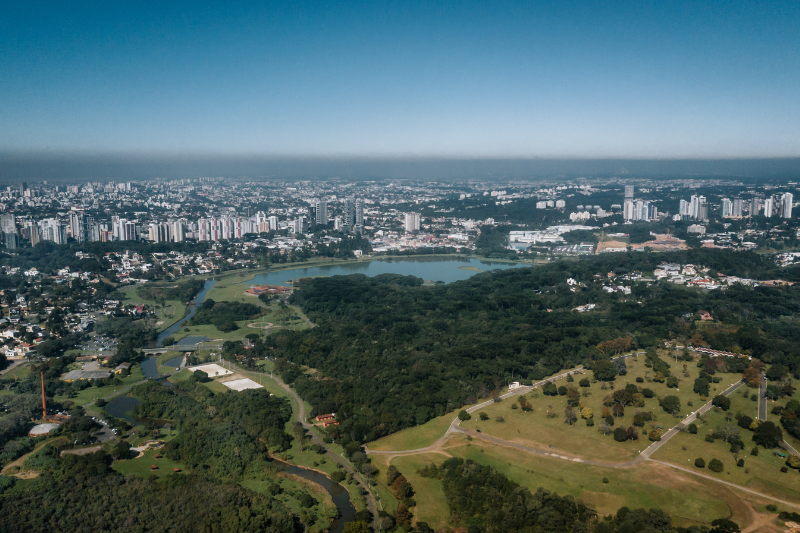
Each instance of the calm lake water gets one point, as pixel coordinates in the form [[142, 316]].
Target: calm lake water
[[428, 268]]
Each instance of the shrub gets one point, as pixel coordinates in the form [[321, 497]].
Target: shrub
[[605, 480], [700, 462], [584, 382], [772, 508], [640, 380], [740, 463], [692, 428], [562, 390], [590, 422], [654, 435], [648, 393], [784, 469], [793, 462], [483, 416], [715, 465], [744, 421], [710, 437]]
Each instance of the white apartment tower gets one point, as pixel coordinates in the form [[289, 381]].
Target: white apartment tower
[[411, 222]]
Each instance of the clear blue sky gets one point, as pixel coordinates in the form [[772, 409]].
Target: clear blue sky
[[491, 78]]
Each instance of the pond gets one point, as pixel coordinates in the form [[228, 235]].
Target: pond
[[428, 268], [121, 407], [340, 496], [192, 310]]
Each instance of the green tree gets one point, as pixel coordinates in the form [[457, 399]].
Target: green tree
[[715, 465], [463, 415]]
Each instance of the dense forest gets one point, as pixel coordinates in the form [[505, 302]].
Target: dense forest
[[226, 435], [485, 501], [398, 353], [224, 315], [82, 494], [223, 439]]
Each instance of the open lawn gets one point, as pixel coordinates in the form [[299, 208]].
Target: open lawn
[[16, 374], [92, 393], [431, 503], [534, 428], [141, 465], [688, 499], [761, 473], [415, 437]]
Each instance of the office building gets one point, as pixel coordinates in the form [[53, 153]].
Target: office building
[[768, 204]]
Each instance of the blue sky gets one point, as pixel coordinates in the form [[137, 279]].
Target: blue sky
[[456, 79]]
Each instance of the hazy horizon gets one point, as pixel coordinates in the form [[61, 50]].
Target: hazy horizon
[[65, 166]]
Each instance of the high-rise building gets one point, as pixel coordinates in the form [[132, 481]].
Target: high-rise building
[[683, 209], [768, 203], [273, 223], [786, 201], [53, 230], [10, 240], [262, 222], [727, 207], [411, 222], [8, 223], [359, 212], [129, 231], [349, 218], [628, 209], [755, 206], [629, 191], [320, 211], [738, 207], [177, 231], [300, 225]]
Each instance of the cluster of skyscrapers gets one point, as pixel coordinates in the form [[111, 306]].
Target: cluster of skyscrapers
[[637, 210]]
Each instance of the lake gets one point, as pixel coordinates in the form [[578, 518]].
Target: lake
[[428, 268]]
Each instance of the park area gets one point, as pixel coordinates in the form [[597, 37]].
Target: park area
[[761, 472], [538, 420]]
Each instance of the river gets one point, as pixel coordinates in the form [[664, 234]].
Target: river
[[340, 496], [192, 310], [444, 269]]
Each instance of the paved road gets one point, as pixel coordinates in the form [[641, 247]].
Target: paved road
[[13, 365], [762, 399], [789, 448], [299, 409]]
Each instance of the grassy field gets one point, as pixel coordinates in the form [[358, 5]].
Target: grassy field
[[91, 394], [17, 374], [141, 465], [431, 504], [687, 499], [173, 310], [415, 437], [534, 428], [761, 473], [163, 358]]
